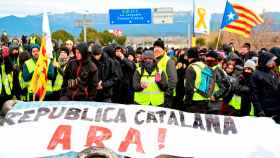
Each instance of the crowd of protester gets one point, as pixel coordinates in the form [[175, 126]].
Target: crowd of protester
[[226, 81]]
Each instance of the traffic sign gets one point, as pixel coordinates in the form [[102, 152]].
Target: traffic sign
[[130, 16], [163, 15]]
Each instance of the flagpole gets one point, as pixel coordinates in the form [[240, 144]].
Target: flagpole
[[219, 37], [221, 27], [193, 22]]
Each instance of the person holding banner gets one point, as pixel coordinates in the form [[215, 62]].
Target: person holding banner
[[149, 82], [80, 77]]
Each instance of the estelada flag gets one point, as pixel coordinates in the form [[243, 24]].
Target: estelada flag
[[239, 19]]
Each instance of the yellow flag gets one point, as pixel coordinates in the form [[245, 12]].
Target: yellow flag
[[39, 79]]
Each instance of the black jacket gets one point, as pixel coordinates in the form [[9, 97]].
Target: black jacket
[[107, 73], [265, 88], [222, 81], [86, 74], [125, 88]]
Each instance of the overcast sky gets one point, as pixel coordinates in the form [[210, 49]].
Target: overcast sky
[[30, 7]]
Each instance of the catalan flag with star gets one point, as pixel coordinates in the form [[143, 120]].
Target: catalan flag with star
[[239, 19]]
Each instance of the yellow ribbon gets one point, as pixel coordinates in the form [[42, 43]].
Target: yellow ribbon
[[201, 23]]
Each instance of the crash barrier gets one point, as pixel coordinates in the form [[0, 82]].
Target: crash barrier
[[55, 129]]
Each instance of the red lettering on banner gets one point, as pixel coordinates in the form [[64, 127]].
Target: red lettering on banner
[[98, 140], [133, 137], [62, 136], [161, 137]]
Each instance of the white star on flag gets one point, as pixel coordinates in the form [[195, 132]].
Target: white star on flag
[[231, 16]]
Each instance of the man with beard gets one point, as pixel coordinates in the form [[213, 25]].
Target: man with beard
[[80, 77], [265, 87], [149, 82], [28, 70], [14, 60], [60, 69]]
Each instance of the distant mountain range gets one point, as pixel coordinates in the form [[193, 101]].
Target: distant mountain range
[[16, 26]]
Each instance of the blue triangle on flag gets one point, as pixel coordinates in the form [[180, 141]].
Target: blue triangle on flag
[[230, 15]]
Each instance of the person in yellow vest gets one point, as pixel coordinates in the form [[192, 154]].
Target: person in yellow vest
[[6, 76], [28, 70], [199, 84], [60, 69], [149, 82], [222, 84], [167, 65], [24, 56], [241, 100]]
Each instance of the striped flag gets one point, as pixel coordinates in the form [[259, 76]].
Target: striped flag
[[40, 77], [239, 19]]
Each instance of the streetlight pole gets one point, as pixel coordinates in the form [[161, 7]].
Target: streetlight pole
[[85, 27]]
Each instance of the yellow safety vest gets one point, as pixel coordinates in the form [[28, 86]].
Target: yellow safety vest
[[6, 81], [30, 64], [198, 67], [235, 102], [58, 82], [22, 83], [162, 65], [151, 95]]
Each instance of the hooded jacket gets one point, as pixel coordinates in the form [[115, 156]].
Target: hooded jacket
[[265, 88], [85, 73], [107, 73]]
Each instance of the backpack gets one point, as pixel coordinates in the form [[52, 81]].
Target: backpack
[[206, 83]]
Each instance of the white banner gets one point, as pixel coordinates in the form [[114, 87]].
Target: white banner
[[56, 128]]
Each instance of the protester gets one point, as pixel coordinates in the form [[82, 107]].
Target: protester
[[107, 74], [80, 78], [60, 67], [166, 65], [149, 82], [197, 94], [246, 53], [221, 86], [6, 76], [125, 86], [265, 87]]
